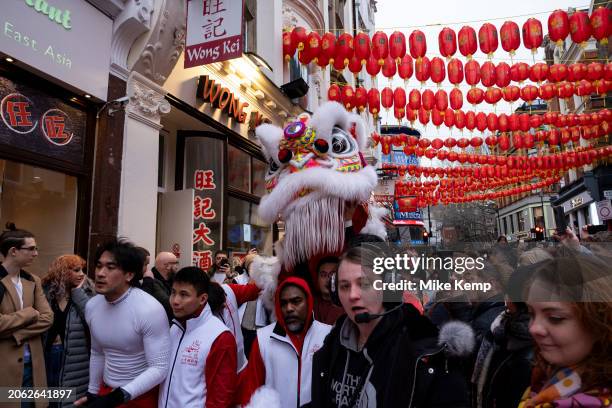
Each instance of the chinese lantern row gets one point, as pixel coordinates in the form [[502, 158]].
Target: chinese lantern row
[[442, 101], [503, 142], [490, 74], [464, 185], [419, 198], [460, 197], [457, 175], [501, 122], [326, 49]]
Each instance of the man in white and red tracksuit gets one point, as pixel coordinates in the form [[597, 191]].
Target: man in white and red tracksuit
[[281, 356], [203, 360]]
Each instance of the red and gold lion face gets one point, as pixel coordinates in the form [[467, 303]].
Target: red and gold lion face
[[315, 166]]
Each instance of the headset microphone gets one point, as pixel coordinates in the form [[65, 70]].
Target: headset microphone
[[367, 317]]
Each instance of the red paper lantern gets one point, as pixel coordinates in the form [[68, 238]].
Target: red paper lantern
[[595, 71], [423, 116], [362, 47], [398, 113], [348, 97], [449, 118], [487, 38], [328, 50], [529, 93], [339, 63], [476, 141], [411, 115], [565, 90], [511, 93], [532, 34], [414, 99], [600, 24], [467, 41], [333, 93], [584, 88], [459, 121], [576, 72], [491, 141], [502, 123], [472, 72], [539, 72], [456, 99], [361, 98], [397, 46], [481, 121], [463, 143], [557, 72], [450, 143], [437, 143], [312, 48], [492, 122], [503, 141], [510, 36], [455, 71], [535, 121], [470, 121], [374, 101], [438, 71], [386, 97], [404, 68], [389, 68], [380, 47], [519, 72], [437, 118], [524, 123], [580, 27], [441, 100], [558, 26], [372, 66], [608, 71], [298, 37], [447, 41], [493, 95], [487, 74], [427, 99], [517, 140], [354, 65], [418, 44], [344, 47], [288, 46], [475, 96], [502, 75], [422, 69], [399, 98]]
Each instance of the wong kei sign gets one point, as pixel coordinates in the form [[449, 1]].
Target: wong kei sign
[[214, 31]]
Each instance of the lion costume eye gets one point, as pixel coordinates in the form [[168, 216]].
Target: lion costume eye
[[342, 143], [272, 167]]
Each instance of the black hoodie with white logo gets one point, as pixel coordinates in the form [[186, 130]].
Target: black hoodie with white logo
[[404, 364]]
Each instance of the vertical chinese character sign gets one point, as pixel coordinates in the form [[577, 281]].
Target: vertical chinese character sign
[[214, 31], [204, 218]]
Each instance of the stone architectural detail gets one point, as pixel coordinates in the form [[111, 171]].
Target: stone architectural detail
[[147, 100]]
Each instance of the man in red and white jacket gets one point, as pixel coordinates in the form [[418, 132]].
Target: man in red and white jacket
[[281, 356], [203, 360]]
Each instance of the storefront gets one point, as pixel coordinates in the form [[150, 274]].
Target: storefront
[[49, 85], [211, 173]]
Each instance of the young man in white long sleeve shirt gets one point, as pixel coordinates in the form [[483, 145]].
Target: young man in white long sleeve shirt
[[130, 341]]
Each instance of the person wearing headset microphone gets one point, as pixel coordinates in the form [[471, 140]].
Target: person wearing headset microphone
[[383, 354]]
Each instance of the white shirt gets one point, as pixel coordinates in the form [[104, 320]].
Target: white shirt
[[219, 277], [130, 342]]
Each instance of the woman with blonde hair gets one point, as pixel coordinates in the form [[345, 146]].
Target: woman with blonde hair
[[570, 304], [67, 344]]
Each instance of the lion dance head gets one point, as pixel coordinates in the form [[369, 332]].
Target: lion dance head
[[315, 169]]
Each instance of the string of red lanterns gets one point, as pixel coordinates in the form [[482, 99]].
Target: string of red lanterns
[[327, 50]]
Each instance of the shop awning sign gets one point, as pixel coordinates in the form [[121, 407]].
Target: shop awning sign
[[214, 31]]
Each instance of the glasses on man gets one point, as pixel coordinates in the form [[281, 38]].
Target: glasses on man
[[30, 248]]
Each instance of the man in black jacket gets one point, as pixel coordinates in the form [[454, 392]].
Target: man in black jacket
[[395, 360]]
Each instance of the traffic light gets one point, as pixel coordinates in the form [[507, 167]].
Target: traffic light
[[425, 236], [538, 232]]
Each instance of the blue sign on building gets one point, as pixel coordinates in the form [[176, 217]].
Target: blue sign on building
[[400, 158]]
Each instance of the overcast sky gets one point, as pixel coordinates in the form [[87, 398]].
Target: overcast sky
[[431, 16]]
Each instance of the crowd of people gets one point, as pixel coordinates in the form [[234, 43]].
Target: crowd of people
[[126, 335]]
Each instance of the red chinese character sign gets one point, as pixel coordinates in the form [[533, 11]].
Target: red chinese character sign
[[204, 218], [214, 31], [33, 121]]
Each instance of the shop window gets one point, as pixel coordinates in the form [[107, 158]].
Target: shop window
[[259, 172], [43, 202], [538, 217], [250, 26], [521, 221], [245, 229], [239, 171]]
